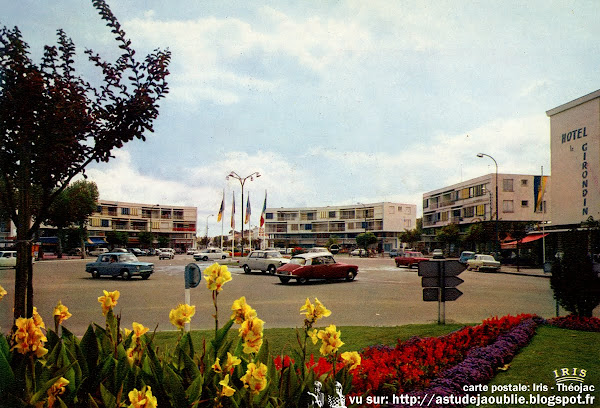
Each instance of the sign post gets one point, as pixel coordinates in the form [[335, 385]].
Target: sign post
[[439, 281]]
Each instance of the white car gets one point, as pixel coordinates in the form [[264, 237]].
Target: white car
[[210, 254], [166, 253], [8, 259], [265, 261], [358, 252], [191, 251], [483, 262]]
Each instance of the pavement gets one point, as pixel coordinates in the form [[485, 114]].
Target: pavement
[[522, 271]]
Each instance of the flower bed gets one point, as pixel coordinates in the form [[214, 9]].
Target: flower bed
[[413, 364], [574, 322], [479, 367]]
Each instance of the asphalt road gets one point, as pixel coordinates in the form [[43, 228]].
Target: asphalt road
[[381, 295]]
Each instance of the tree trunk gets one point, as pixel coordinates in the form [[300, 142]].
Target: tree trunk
[[24, 270]]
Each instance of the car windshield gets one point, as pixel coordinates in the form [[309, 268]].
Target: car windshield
[[298, 261], [127, 258]]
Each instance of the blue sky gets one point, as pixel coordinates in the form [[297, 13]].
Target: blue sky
[[333, 102]]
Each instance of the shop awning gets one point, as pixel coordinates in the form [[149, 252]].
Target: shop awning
[[49, 240], [97, 241], [528, 238]]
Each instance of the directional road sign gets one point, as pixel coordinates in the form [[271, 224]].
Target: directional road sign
[[433, 294], [431, 268], [449, 282]]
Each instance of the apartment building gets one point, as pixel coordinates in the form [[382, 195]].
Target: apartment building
[[521, 197], [313, 226], [176, 223]]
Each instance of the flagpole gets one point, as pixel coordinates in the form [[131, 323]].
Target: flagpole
[[223, 220]]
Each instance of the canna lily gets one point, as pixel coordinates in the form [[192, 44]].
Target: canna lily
[[226, 391], [216, 276], [351, 359], [58, 388], [252, 334], [255, 378], [28, 337], [313, 334], [133, 354], [142, 399], [231, 362], [61, 313], [314, 312], [139, 330], [331, 340], [242, 311], [181, 315], [109, 301], [37, 319], [217, 366], [3, 292]]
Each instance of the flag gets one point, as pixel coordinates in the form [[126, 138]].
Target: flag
[[233, 213], [539, 188], [248, 212], [264, 210], [222, 209]]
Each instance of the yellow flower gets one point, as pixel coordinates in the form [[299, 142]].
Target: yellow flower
[[226, 391], [139, 330], [314, 312], [2, 292], [181, 315], [126, 332], [313, 335], [352, 359], [142, 399], [37, 319], [242, 310], [108, 301], [231, 362], [61, 313], [251, 332], [255, 378], [28, 337], [216, 276], [58, 388], [217, 366], [134, 354], [331, 340]]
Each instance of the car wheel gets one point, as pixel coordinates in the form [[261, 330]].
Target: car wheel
[[205, 258], [272, 269], [125, 274], [350, 276], [95, 274], [247, 269], [223, 257], [145, 276], [397, 264], [302, 281], [284, 279]]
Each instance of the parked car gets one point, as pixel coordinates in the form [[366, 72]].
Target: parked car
[[136, 251], [120, 264], [265, 261], [465, 256], [98, 251], [318, 249], [480, 262], [122, 250], [210, 253], [394, 253], [359, 252], [191, 251], [304, 267], [166, 253], [8, 259], [438, 254], [410, 259]]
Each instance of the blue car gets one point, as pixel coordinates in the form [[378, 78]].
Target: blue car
[[465, 256], [120, 264]]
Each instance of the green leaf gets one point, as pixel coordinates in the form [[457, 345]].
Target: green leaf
[[174, 387], [220, 335], [89, 348], [109, 400], [7, 377], [194, 391], [41, 392]]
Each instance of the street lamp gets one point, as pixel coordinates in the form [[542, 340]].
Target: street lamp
[[242, 181], [480, 155], [207, 217]]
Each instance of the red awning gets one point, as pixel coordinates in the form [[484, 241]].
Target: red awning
[[528, 238]]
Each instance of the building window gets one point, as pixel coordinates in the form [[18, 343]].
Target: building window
[[125, 211], [106, 223], [523, 182], [307, 227], [508, 206], [331, 214], [524, 203], [507, 185], [400, 207], [407, 224], [407, 210], [543, 209], [480, 210], [269, 216], [469, 212]]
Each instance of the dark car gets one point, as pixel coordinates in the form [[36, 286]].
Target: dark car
[[304, 267], [410, 259], [120, 264]]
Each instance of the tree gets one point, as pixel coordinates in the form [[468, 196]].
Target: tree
[[448, 235], [411, 237], [476, 236], [575, 284], [365, 239], [146, 239], [53, 123], [117, 238], [163, 242], [73, 206]]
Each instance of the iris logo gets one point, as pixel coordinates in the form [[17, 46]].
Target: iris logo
[[565, 375]]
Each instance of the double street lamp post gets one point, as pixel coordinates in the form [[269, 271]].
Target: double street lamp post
[[242, 181], [480, 155]]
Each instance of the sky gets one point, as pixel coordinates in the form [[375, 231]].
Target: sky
[[332, 102]]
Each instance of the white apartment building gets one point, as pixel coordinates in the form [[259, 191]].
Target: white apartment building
[[521, 197], [313, 226]]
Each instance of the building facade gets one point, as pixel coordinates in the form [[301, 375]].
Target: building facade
[[314, 226], [575, 157], [176, 223], [520, 198]]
